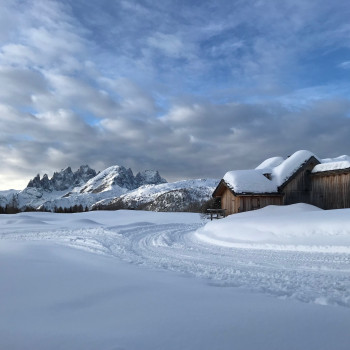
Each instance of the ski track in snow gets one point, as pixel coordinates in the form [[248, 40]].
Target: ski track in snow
[[322, 278]]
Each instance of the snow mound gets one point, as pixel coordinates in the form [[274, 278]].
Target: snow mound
[[299, 227]]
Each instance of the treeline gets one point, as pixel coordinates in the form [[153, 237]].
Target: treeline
[[192, 207], [9, 209], [75, 209]]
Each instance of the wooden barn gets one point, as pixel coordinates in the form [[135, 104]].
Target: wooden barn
[[302, 177], [330, 185]]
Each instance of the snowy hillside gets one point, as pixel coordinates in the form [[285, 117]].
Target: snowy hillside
[[176, 196]]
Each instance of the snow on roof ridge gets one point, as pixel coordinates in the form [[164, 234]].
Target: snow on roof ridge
[[329, 166], [270, 163], [341, 158], [289, 166]]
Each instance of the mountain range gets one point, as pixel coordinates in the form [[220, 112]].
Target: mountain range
[[113, 188]]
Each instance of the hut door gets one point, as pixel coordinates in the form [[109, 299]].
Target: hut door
[[233, 205]]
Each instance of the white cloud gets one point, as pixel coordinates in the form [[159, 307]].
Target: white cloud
[[135, 85], [169, 44], [345, 65]]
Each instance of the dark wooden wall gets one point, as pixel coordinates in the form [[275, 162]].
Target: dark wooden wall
[[331, 191], [298, 189]]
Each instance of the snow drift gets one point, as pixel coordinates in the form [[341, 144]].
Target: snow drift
[[300, 227]]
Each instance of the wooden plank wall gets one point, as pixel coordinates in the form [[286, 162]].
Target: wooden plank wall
[[228, 202], [235, 204], [298, 190], [256, 202], [331, 191]]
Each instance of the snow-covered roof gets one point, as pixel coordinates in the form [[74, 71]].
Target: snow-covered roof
[[249, 181], [289, 166], [329, 166], [279, 170]]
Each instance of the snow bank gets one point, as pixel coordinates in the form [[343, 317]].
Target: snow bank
[[299, 227]]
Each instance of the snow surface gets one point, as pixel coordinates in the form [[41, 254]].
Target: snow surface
[[270, 163], [55, 297], [337, 159], [296, 227], [331, 166], [289, 166], [249, 181]]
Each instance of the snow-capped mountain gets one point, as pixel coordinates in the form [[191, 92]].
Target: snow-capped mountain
[[177, 196], [118, 176], [113, 187]]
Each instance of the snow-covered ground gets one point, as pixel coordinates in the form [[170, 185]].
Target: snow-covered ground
[[297, 227], [130, 284]]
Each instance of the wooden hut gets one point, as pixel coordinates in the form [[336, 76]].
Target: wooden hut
[[276, 181], [234, 201]]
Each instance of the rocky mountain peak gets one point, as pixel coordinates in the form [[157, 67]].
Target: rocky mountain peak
[[149, 177], [122, 177], [63, 180]]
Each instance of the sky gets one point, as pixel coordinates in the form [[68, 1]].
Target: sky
[[190, 88]]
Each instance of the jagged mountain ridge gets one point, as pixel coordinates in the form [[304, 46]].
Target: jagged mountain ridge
[[115, 185], [64, 179], [122, 177], [84, 186]]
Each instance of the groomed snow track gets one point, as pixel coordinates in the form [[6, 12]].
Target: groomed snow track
[[321, 278]]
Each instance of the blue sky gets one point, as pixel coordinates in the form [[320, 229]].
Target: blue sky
[[192, 88]]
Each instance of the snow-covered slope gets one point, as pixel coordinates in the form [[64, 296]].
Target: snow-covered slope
[[113, 177], [176, 196]]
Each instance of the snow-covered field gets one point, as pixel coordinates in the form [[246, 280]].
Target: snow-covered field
[[144, 280]]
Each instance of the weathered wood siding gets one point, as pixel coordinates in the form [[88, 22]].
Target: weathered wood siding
[[235, 204], [229, 202], [256, 202], [298, 189], [331, 191]]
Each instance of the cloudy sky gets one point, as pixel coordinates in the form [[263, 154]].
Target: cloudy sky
[[192, 88]]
